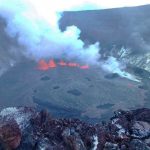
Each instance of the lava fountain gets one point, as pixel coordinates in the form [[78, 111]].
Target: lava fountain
[[42, 65], [52, 64]]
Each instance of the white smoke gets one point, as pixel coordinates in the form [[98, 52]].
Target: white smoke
[[36, 26], [114, 66]]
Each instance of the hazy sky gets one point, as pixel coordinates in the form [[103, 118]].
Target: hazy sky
[[90, 4]]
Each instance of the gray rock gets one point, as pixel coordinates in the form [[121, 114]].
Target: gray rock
[[138, 145], [73, 140], [10, 134], [44, 144], [147, 141], [140, 129], [111, 146]]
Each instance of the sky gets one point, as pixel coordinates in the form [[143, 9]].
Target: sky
[[92, 4]]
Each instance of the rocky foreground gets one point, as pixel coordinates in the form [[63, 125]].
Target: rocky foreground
[[25, 128]]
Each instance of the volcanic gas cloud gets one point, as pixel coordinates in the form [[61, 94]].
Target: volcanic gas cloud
[[44, 66]]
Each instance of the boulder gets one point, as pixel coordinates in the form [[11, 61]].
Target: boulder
[[10, 134], [111, 146], [140, 129], [73, 140], [137, 144]]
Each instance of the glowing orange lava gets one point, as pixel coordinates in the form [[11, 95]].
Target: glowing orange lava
[[73, 64], [52, 64], [84, 67], [42, 65], [62, 63]]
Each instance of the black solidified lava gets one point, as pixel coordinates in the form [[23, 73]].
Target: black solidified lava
[[143, 87], [88, 79], [74, 92], [35, 91], [24, 128], [112, 76], [56, 87], [105, 106], [57, 111], [45, 78]]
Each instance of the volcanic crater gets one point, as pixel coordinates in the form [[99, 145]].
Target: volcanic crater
[[69, 91]]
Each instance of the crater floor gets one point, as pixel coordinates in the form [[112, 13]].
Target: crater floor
[[70, 92]]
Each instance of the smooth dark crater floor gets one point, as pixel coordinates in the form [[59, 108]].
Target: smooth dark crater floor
[[91, 95]]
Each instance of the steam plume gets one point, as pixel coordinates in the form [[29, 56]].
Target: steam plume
[[114, 66], [35, 24]]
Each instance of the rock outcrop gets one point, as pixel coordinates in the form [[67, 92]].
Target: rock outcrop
[[25, 128]]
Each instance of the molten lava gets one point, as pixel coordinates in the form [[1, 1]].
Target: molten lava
[[62, 63], [52, 64], [84, 67], [73, 64], [42, 65]]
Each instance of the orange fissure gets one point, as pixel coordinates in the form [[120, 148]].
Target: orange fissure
[[43, 65]]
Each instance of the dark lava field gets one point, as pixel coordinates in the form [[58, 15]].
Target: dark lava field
[[90, 95]]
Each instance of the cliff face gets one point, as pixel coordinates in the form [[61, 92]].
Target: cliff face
[[25, 128], [115, 28]]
